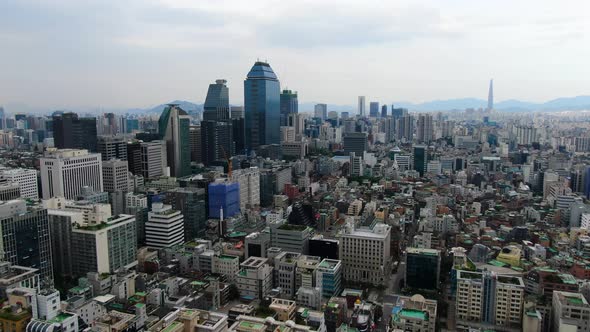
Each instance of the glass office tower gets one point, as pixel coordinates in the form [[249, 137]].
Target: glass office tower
[[262, 107]]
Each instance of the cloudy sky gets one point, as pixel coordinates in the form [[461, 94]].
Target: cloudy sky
[[138, 53]]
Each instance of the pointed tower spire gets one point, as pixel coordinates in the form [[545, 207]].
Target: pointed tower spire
[[491, 96]]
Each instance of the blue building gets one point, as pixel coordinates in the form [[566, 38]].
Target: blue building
[[224, 196], [289, 105], [587, 184], [216, 107], [262, 107]]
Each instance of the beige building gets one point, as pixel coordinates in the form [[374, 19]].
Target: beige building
[[365, 254]]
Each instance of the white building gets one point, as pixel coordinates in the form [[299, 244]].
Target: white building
[[64, 172], [249, 180], [365, 254], [571, 312], [26, 179], [227, 265], [165, 226], [487, 298], [254, 280]]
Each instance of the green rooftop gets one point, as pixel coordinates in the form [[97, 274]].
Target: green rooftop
[[171, 327], [575, 300], [415, 314], [252, 325], [60, 317]]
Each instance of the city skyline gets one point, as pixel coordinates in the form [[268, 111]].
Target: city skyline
[[119, 53]]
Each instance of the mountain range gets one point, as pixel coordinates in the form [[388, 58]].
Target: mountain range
[[512, 105]]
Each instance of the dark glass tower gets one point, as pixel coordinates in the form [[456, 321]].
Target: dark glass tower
[[71, 132], [216, 106], [289, 105], [262, 107], [174, 127], [420, 159]]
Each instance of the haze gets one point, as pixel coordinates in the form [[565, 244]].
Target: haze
[[122, 54]]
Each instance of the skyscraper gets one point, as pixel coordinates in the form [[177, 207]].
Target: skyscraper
[[384, 111], [72, 132], [262, 106], [174, 126], [289, 105], [216, 106], [374, 109], [217, 141], [491, 96], [361, 106], [425, 129], [420, 159], [321, 111], [404, 127]]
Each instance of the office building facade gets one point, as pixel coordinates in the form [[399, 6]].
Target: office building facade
[[66, 172], [262, 107]]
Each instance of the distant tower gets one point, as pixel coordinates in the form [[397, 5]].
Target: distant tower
[[361, 106], [491, 96]]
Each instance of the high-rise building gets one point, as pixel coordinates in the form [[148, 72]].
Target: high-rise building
[[72, 132], [26, 180], [488, 299], [397, 113], [192, 203], [153, 159], [236, 112], [404, 128], [165, 226], [289, 105], [420, 158], [365, 254], [2, 119], [134, 157], [105, 247], [422, 268], [25, 236], [355, 142], [526, 135], [217, 143], [491, 96], [112, 147], [249, 180], [216, 107], [174, 126], [66, 172], [224, 199], [321, 111], [361, 106], [374, 109], [195, 143], [262, 107], [425, 128], [571, 312], [115, 175], [384, 111]]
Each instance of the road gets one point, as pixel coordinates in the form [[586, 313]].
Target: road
[[389, 296]]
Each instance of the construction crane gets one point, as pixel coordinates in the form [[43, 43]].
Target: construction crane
[[229, 164]]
